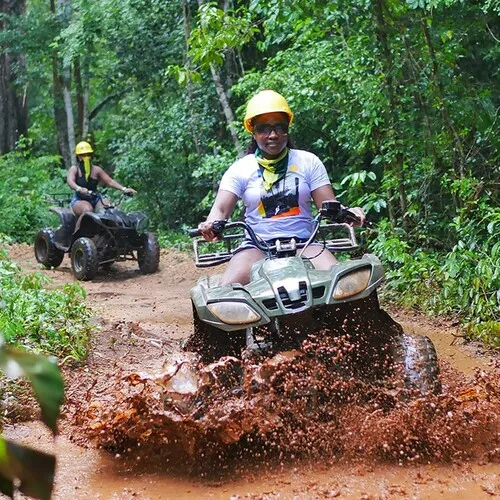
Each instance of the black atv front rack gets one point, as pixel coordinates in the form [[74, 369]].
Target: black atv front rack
[[230, 242], [59, 199]]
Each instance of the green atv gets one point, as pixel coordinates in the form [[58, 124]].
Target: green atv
[[288, 302]]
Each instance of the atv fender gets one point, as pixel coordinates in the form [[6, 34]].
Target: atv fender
[[64, 232], [89, 226]]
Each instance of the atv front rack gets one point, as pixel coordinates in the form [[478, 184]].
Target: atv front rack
[[59, 199], [230, 242]]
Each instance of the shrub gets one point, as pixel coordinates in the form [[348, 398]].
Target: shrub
[[51, 321]]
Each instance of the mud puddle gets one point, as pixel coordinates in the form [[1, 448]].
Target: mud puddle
[[143, 320], [94, 474]]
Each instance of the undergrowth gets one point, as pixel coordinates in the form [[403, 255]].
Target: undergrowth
[[53, 321], [463, 283]]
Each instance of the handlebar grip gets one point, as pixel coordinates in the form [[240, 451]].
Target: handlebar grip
[[351, 217], [194, 232], [217, 228]]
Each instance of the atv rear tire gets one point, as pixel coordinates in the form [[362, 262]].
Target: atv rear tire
[[211, 343], [416, 364], [46, 252], [84, 259], [148, 255]]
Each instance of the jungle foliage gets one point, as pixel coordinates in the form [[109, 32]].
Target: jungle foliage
[[44, 320], [399, 99]]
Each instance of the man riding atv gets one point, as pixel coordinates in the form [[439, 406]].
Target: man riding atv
[[84, 178]]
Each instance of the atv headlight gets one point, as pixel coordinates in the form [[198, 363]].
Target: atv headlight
[[233, 313], [352, 283]]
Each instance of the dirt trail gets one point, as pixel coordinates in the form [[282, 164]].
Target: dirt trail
[[143, 319]]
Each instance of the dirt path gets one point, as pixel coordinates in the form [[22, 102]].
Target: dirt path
[[143, 319]]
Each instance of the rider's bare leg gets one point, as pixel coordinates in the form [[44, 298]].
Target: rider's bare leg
[[325, 259], [238, 269], [79, 208]]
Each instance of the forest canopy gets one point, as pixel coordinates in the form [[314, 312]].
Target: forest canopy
[[398, 98]]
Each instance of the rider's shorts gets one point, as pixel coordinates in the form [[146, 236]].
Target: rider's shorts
[[94, 200]]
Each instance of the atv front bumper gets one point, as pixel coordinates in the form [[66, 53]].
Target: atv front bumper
[[283, 287]]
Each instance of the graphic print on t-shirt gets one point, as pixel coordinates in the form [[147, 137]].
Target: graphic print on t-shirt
[[282, 200]]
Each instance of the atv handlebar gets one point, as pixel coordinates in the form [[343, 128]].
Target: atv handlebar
[[333, 211]]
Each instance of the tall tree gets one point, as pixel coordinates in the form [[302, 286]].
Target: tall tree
[[58, 103], [207, 13], [13, 93], [64, 13]]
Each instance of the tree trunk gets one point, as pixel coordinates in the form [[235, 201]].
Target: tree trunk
[[448, 124], [68, 107], [226, 108], [189, 86], [77, 71], [59, 112], [82, 84], [13, 101], [86, 95], [397, 163], [64, 12], [224, 102]]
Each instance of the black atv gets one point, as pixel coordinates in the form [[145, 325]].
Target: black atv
[[103, 238]]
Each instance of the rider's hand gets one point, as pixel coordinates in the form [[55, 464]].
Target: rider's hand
[[129, 191], [206, 230], [83, 190], [360, 213]]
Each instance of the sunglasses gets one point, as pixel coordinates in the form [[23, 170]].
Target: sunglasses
[[266, 128]]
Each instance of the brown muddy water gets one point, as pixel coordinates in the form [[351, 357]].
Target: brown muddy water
[[94, 474], [460, 461], [367, 445]]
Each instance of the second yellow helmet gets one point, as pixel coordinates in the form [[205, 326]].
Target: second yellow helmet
[[266, 101], [83, 148]]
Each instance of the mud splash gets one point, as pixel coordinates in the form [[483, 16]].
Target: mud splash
[[293, 405]]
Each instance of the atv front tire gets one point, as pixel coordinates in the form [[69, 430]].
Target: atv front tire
[[416, 364], [148, 255], [211, 343], [46, 252], [84, 259]]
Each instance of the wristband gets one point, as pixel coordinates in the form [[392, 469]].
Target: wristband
[[123, 189], [78, 189]]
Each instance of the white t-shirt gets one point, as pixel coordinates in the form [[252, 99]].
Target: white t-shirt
[[285, 210]]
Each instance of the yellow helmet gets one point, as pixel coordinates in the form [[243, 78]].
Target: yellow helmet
[[266, 101], [83, 148]]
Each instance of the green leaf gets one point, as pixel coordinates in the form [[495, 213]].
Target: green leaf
[[45, 378], [34, 470]]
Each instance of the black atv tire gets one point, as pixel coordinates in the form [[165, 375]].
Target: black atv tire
[[211, 343], [148, 256], [416, 364], [84, 259], [46, 252]]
